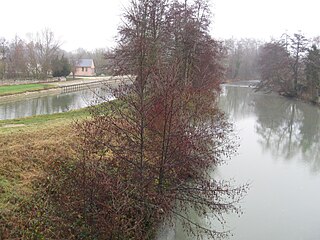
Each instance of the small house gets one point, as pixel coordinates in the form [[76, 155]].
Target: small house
[[85, 67]]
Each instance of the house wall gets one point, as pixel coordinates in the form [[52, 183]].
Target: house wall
[[85, 71]]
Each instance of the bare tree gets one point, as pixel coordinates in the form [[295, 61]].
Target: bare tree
[[275, 69], [42, 49], [298, 48], [312, 72], [282, 65], [316, 41], [17, 60], [33, 62], [241, 59], [3, 57]]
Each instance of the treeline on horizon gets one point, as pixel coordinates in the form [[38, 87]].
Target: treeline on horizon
[[39, 56], [32, 58], [42, 56], [289, 65], [243, 56]]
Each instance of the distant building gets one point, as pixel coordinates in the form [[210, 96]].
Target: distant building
[[85, 67]]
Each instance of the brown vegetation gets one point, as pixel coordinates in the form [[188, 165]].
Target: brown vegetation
[[148, 160], [24, 159], [291, 67]]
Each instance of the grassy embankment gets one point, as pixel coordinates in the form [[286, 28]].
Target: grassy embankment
[[22, 88], [27, 145]]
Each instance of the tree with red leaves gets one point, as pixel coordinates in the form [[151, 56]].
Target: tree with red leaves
[[147, 157]]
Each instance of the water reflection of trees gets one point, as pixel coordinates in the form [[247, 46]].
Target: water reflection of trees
[[278, 126], [289, 128], [48, 104], [237, 101], [286, 128]]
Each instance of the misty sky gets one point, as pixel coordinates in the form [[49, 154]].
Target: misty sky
[[93, 23]]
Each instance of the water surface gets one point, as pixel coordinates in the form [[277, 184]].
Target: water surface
[[49, 104], [279, 156]]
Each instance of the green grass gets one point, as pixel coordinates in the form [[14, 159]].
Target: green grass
[[14, 89], [57, 120], [34, 122], [28, 148]]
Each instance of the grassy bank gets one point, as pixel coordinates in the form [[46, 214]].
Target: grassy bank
[[29, 149], [41, 122], [14, 89], [27, 146]]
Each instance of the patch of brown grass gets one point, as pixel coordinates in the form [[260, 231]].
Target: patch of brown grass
[[24, 157]]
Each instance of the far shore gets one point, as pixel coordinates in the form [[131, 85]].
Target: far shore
[[56, 86]]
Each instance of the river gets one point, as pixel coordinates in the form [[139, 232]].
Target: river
[[279, 156], [49, 104]]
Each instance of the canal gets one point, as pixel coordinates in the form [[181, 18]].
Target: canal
[[49, 104]]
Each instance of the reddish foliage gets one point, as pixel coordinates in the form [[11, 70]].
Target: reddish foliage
[[147, 160]]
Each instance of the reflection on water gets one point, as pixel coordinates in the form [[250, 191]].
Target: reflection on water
[[279, 155], [292, 131], [287, 128], [49, 104]]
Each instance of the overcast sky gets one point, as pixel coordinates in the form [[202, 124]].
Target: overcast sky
[[93, 24]]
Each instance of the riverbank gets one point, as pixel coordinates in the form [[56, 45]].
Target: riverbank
[[56, 87], [16, 89], [25, 157], [255, 83], [41, 121], [27, 148]]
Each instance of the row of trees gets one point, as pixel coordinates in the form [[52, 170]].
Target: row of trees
[[41, 56], [32, 59], [241, 61], [147, 157], [243, 55], [291, 66]]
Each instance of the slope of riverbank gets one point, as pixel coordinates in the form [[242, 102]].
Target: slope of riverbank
[[27, 147], [41, 121]]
